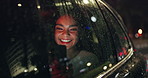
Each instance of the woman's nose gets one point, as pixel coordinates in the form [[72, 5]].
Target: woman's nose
[[66, 32]]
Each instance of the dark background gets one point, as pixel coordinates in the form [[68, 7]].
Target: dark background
[[133, 12], [135, 16]]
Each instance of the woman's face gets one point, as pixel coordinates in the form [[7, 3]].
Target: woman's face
[[66, 31]]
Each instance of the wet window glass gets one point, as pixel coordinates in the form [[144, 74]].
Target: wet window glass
[[119, 36], [80, 28], [59, 38]]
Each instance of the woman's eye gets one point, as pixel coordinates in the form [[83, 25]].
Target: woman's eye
[[59, 28], [74, 29]]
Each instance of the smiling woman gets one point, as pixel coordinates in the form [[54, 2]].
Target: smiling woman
[[67, 34], [66, 31]]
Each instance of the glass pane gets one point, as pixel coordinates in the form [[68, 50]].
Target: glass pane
[[64, 38], [82, 29], [120, 39]]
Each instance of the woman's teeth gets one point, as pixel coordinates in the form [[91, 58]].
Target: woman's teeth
[[65, 40]]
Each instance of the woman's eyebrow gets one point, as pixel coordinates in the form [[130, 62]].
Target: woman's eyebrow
[[60, 25], [69, 25], [73, 25]]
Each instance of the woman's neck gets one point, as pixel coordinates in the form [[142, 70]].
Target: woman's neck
[[72, 52]]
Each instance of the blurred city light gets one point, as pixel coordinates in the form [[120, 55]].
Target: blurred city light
[[140, 31], [86, 1], [38, 7], [105, 68], [25, 70], [88, 64], [19, 4], [110, 65], [93, 19], [35, 69]]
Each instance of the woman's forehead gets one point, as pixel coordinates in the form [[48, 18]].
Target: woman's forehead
[[74, 25], [68, 20]]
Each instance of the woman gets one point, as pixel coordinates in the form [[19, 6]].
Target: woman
[[67, 34]]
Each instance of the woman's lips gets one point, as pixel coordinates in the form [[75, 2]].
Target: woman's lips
[[65, 40]]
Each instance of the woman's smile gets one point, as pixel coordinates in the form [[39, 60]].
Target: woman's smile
[[66, 31], [65, 40]]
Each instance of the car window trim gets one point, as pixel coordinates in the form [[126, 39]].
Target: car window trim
[[116, 66]]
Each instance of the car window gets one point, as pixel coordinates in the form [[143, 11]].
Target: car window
[[72, 36], [119, 36], [82, 29]]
